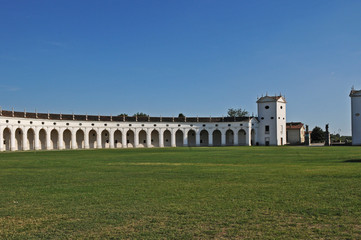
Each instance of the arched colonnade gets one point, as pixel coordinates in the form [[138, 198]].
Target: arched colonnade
[[49, 138]]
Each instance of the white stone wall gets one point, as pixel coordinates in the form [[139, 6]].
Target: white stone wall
[[356, 117]]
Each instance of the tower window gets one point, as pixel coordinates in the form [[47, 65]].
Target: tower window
[[267, 129], [266, 107]]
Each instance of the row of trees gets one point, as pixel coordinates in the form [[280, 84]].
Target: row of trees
[[318, 135]]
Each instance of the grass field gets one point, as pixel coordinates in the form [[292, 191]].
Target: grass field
[[182, 193]]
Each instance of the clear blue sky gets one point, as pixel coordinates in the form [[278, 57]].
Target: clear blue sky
[[195, 57]]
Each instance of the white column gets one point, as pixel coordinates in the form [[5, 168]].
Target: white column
[[60, 139], [99, 139], [124, 138], [185, 138], [48, 135], [86, 138], [25, 139], [12, 139], [149, 138], [223, 138], [248, 137], [136, 138], [161, 138], [235, 137], [172, 138], [73, 139], [111, 138], [1, 139], [36, 138], [210, 139], [198, 138]]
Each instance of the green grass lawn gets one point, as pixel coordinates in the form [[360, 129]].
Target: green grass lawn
[[182, 193]]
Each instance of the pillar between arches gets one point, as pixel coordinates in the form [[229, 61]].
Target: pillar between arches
[[12, 139], [210, 138], [235, 137], [149, 138], [1, 138], [111, 138], [161, 138], [86, 138], [223, 138], [25, 138], [73, 139], [36, 138], [124, 138], [172, 138], [99, 138], [248, 136], [136, 138], [48, 138], [198, 138], [60, 139], [185, 138]]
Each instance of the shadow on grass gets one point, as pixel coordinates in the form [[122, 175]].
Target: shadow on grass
[[353, 160]]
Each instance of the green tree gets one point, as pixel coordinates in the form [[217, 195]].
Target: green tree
[[140, 114], [237, 112], [181, 115], [123, 114], [317, 135]]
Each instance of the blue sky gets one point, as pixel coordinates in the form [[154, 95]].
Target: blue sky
[[195, 57]]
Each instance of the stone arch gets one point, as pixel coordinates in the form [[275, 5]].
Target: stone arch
[[253, 137], [7, 139], [179, 138], [154, 136], [130, 138], [204, 141], [42, 139], [92, 138], [242, 136], [142, 136], [31, 139], [80, 139], [54, 138], [167, 135], [105, 139], [191, 138], [217, 138], [117, 139], [229, 137], [67, 139], [19, 139]]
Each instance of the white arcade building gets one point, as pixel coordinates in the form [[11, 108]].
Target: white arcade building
[[39, 131]]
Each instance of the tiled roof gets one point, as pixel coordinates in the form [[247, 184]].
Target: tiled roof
[[294, 125]]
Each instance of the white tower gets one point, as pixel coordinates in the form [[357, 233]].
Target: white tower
[[355, 116], [272, 120]]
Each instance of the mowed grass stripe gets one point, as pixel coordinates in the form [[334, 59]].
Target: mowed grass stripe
[[182, 193]]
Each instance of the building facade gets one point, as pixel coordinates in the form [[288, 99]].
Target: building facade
[[295, 133], [355, 116], [38, 131]]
